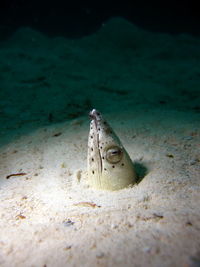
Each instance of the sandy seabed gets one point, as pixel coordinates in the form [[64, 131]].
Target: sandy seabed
[[147, 87]]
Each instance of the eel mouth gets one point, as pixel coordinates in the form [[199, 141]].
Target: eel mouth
[[94, 115]]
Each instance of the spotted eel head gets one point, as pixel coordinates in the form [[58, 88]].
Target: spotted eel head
[[109, 165]]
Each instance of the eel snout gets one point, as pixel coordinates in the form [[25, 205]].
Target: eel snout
[[94, 114]]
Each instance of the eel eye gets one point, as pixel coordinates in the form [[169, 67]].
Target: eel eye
[[114, 154]]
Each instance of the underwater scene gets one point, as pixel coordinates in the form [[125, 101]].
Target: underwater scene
[[100, 148]]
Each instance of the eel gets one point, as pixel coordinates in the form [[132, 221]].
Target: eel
[[109, 166]]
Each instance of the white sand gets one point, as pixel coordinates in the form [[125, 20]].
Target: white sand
[[147, 87]]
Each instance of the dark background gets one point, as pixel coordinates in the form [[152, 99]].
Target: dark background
[[79, 18]]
